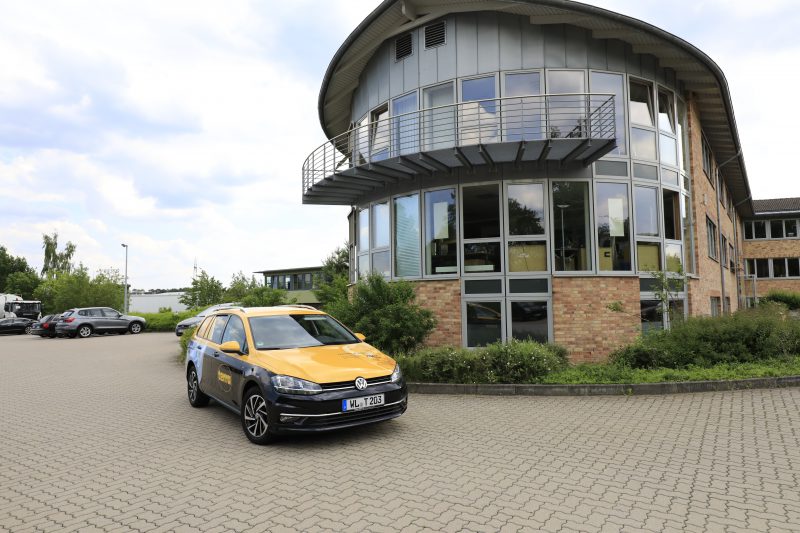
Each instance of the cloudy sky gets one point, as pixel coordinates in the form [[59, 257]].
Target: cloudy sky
[[180, 127]]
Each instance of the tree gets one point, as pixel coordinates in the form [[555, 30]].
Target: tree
[[205, 290], [336, 264], [10, 264], [55, 261], [386, 313], [240, 287], [263, 296], [335, 277], [23, 283]]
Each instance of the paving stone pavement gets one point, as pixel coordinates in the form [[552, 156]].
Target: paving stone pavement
[[97, 435]]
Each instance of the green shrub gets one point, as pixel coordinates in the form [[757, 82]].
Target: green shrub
[[787, 298], [164, 321], [386, 313], [183, 340], [747, 336], [513, 362]]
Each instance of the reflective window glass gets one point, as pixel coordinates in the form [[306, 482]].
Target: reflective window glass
[[380, 225], [776, 229], [669, 176], [234, 331], [643, 144], [529, 321], [672, 254], [645, 200], [672, 215], [794, 267], [481, 206], [572, 224], [363, 230], [527, 256], [484, 323], [641, 103], [526, 209], [645, 172], [567, 112], [669, 150], [482, 257], [477, 117], [379, 134], [748, 230], [760, 229], [405, 125], [790, 227], [652, 315], [683, 138], [438, 123], [522, 117], [380, 263], [613, 227], [666, 112], [762, 268], [441, 254], [407, 256], [218, 328], [779, 268], [648, 256], [603, 82]]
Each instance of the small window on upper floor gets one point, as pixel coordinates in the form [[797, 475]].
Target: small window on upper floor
[[435, 35], [403, 47], [641, 103], [666, 112]]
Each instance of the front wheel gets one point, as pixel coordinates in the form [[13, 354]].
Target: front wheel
[[28, 330], [196, 396], [255, 418], [135, 328]]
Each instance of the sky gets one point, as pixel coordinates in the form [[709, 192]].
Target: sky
[[180, 127]]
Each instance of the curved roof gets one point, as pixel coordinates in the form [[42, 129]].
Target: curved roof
[[699, 73]]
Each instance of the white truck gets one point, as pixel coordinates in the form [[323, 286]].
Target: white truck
[[13, 306]]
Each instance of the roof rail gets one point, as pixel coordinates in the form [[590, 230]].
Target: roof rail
[[301, 306], [237, 307]]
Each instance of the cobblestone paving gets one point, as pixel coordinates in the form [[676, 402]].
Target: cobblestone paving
[[97, 434]]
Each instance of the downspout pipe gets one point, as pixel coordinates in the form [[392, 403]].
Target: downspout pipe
[[719, 236]]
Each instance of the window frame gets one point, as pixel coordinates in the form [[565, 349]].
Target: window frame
[[484, 240], [545, 237], [592, 237]]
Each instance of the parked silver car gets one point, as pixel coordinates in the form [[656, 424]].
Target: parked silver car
[[85, 321], [191, 322]]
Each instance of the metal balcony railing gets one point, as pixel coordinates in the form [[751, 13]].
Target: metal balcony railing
[[580, 116]]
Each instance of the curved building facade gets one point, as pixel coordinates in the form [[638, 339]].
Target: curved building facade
[[533, 167]]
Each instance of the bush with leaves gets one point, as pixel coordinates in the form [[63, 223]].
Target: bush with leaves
[[166, 320], [511, 362], [183, 341], [64, 290], [788, 298], [386, 313], [746, 336]]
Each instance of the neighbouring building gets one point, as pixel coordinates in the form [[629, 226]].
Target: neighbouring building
[[299, 282], [530, 164], [153, 302]]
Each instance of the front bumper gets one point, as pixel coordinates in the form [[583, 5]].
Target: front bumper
[[49, 332], [323, 412]]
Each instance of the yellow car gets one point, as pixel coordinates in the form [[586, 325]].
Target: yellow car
[[291, 369]]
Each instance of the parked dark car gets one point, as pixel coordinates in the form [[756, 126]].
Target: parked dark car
[[83, 322], [191, 322], [15, 325], [46, 327]]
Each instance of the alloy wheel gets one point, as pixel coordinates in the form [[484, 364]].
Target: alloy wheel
[[28, 330], [85, 331], [255, 416], [193, 386], [136, 328]]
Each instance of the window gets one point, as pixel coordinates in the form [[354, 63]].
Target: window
[[641, 103], [379, 134], [790, 228], [203, 330], [723, 250], [481, 228], [405, 125], [646, 204], [711, 230], [762, 268], [529, 321], [707, 159], [643, 144], [571, 224], [613, 227], [380, 239], [522, 117], [527, 244], [672, 215], [363, 242], [477, 118], [776, 229], [716, 306], [441, 255], [607, 83], [748, 230], [484, 323], [361, 142], [645, 172], [683, 138], [407, 257], [731, 258], [779, 268], [793, 267], [652, 315], [234, 331], [688, 234], [438, 125], [567, 112], [219, 327], [666, 112], [669, 150], [109, 313], [672, 254], [760, 229], [648, 256]]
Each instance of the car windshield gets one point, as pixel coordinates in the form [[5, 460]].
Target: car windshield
[[298, 331]]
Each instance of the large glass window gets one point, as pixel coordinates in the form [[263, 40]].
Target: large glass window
[[648, 256], [566, 113], [762, 268], [522, 117], [666, 112], [405, 125], [794, 267], [641, 103], [646, 204], [529, 321], [776, 229], [407, 257], [481, 212], [484, 323], [438, 123], [643, 144], [380, 239], [362, 242], [477, 119], [441, 254], [527, 246], [379, 134], [613, 227], [604, 82], [672, 215], [779, 268], [669, 150], [760, 229], [572, 224], [673, 255], [791, 228], [652, 315]]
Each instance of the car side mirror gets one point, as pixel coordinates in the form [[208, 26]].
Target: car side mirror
[[231, 347], [361, 336]]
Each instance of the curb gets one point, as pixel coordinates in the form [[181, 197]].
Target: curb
[[615, 389]]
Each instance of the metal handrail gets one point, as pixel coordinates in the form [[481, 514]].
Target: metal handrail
[[507, 119]]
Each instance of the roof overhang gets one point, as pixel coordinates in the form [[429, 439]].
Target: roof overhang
[[698, 72]]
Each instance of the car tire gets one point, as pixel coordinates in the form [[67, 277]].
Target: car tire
[[196, 396], [28, 330], [255, 417], [85, 331], [135, 327]]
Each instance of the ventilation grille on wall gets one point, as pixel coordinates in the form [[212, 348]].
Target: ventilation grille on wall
[[403, 47], [435, 35]]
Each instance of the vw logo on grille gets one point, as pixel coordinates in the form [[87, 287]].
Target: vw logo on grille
[[361, 383]]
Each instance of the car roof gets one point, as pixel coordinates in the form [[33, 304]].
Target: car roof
[[269, 311]]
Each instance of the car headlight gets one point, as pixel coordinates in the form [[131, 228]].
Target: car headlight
[[290, 385], [396, 374]]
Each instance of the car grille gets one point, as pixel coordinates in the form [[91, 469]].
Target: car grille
[[343, 385], [355, 416]]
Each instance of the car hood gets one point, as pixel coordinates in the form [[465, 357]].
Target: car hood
[[133, 317], [328, 364], [191, 321]]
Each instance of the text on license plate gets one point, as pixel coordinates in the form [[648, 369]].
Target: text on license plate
[[364, 402]]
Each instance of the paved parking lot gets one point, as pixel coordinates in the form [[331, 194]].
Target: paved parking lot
[[97, 433]]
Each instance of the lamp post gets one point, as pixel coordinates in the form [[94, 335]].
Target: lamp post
[[563, 246], [125, 293]]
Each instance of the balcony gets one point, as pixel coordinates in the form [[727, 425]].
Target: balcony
[[563, 129]]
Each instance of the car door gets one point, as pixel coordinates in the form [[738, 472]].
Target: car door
[[231, 367], [113, 320], [97, 320], [209, 381]]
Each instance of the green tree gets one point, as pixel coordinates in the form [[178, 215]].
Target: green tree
[[240, 287], [337, 263], [107, 289], [335, 277], [55, 261], [262, 296], [205, 290], [22, 283], [10, 264], [386, 313]]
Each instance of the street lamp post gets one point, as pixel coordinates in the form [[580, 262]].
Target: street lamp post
[[125, 297]]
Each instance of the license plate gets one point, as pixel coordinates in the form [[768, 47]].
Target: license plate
[[364, 402]]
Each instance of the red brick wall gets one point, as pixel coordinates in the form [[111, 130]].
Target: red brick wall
[[443, 297], [582, 321]]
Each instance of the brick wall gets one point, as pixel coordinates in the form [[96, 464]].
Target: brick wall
[[582, 321], [763, 286], [772, 248], [443, 297]]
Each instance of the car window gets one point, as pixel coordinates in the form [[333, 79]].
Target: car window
[[45, 318], [110, 313], [65, 314], [219, 328], [298, 331], [83, 312], [95, 313], [202, 331], [235, 332]]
